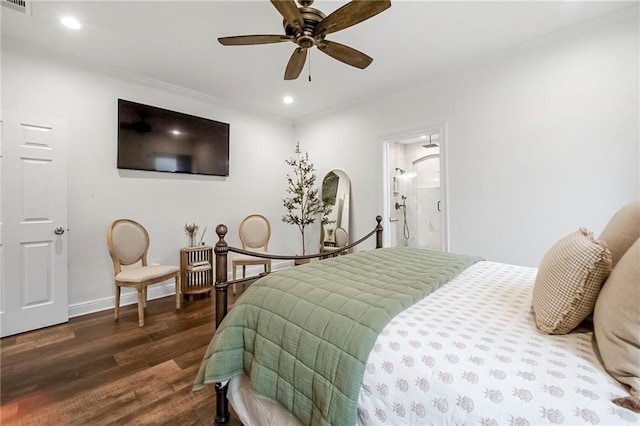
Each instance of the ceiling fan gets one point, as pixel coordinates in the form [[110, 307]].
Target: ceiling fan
[[308, 27]]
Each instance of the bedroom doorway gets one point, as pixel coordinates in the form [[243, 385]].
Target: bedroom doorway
[[415, 213], [33, 244]]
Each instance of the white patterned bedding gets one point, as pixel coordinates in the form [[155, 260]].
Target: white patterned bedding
[[470, 354]]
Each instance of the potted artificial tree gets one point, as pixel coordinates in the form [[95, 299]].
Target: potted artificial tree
[[303, 206]]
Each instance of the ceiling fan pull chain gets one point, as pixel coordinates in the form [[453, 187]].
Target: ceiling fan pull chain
[[309, 55]]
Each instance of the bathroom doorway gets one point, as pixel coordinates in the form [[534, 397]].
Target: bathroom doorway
[[415, 190]]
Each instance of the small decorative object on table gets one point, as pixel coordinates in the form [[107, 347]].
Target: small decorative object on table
[[191, 230]]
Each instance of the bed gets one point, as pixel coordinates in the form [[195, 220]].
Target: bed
[[460, 345]]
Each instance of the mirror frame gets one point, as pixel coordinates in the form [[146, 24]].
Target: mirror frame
[[339, 195]]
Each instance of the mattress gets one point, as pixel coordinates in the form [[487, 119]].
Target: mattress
[[470, 353]]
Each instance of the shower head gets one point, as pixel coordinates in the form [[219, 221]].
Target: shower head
[[398, 169], [431, 144]]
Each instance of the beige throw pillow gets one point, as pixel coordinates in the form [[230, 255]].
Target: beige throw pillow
[[622, 231], [616, 322], [568, 282]]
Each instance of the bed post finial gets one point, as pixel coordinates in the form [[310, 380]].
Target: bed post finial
[[221, 230], [221, 249], [379, 232]]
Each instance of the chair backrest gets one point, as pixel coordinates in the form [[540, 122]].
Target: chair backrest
[[128, 243], [255, 231], [342, 237]]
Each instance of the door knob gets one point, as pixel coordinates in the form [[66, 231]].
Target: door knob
[[59, 230]]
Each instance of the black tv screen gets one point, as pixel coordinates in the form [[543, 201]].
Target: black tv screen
[[160, 140]]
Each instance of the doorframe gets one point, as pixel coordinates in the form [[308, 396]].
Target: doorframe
[[386, 141]]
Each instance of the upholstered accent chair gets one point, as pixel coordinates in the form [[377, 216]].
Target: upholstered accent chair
[[128, 243], [342, 239], [255, 232]]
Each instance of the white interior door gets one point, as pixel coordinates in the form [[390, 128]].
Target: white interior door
[[33, 246]]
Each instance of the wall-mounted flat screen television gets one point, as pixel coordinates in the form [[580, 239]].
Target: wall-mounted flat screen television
[[160, 140]]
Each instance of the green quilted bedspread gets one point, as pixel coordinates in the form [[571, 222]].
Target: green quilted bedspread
[[303, 335]]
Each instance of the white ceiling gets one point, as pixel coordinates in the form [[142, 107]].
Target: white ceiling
[[176, 42]]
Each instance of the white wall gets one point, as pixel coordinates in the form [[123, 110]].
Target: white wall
[[98, 192], [540, 140]]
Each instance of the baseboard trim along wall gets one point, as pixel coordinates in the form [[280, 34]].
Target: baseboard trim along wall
[[156, 291]]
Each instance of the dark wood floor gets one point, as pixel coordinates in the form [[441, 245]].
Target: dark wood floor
[[98, 371]]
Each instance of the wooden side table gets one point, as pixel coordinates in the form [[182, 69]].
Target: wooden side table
[[328, 246], [196, 270]]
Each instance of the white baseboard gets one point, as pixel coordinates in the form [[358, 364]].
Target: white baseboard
[[130, 297]]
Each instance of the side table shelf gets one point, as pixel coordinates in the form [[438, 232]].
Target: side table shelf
[[196, 270]]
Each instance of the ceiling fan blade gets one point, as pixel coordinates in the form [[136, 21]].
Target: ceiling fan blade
[[296, 63], [253, 39], [346, 54], [290, 13], [350, 14]]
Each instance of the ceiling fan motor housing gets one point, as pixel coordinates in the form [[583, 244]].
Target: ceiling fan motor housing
[[306, 39]]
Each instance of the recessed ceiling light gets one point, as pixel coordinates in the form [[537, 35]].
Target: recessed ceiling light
[[70, 22], [423, 137], [287, 100], [176, 132]]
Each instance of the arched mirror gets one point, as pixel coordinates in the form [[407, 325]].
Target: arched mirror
[[336, 191]]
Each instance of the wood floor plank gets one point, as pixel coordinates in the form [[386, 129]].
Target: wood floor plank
[[9, 413], [47, 335], [190, 358], [169, 347], [121, 398], [36, 381], [99, 371], [55, 362], [60, 354], [65, 390]]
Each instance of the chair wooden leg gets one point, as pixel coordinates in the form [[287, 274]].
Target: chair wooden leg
[[116, 314], [141, 303], [234, 278], [244, 274], [177, 292], [144, 294]]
